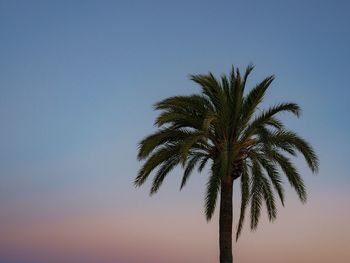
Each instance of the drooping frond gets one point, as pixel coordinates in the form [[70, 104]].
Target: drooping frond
[[189, 168], [265, 139], [179, 118], [156, 159], [291, 172], [256, 196], [266, 116], [274, 176], [213, 189], [160, 138], [162, 172], [193, 107], [269, 198], [245, 195], [188, 143], [203, 163], [284, 138], [275, 123]]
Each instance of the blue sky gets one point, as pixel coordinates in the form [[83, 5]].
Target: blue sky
[[79, 78], [76, 74]]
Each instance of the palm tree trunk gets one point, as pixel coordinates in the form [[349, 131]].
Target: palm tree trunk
[[225, 222]]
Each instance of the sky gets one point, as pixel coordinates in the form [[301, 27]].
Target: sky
[[77, 84]]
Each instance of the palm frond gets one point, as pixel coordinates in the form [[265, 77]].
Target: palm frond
[[254, 98], [181, 118], [210, 87], [248, 70], [203, 163], [245, 192], [189, 168], [157, 158], [274, 176], [256, 196], [269, 198], [160, 137], [265, 117], [162, 173], [300, 144], [236, 98], [188, 143], [194, 102], [213, 188], [291, 172]]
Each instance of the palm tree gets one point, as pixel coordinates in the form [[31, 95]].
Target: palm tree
[[224, 128]]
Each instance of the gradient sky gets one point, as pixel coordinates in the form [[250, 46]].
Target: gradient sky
[[77, 84]]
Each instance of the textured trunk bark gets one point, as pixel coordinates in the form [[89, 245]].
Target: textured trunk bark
[[225, 222]]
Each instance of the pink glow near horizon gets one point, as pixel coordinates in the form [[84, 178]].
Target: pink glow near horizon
[[316, 232]]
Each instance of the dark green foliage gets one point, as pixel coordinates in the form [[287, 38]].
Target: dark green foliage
[[224, 128], [213, 188], [245, 195]]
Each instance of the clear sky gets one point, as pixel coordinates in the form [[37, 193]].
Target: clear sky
[[77, 84]]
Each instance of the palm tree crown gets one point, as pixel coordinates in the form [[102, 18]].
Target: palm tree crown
[[223, 127]]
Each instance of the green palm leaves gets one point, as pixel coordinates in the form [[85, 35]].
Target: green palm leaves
[[222, 127]]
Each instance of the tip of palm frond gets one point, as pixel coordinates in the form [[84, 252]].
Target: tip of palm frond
[[208, 217], [250, 66], [194, 77], [303, 199], [239, 231], [302, 195], [143, 152], [191, 76], [155, 106], [315, 166], [183, 183], [157, 123], [249, 69], [140, 178], [141, 156], [288, 107], [160, 105], [154, 189], [232, 73], [237, 236], [137, 183], [253, 228], [295, 109], [152, 192], [209, 211]]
